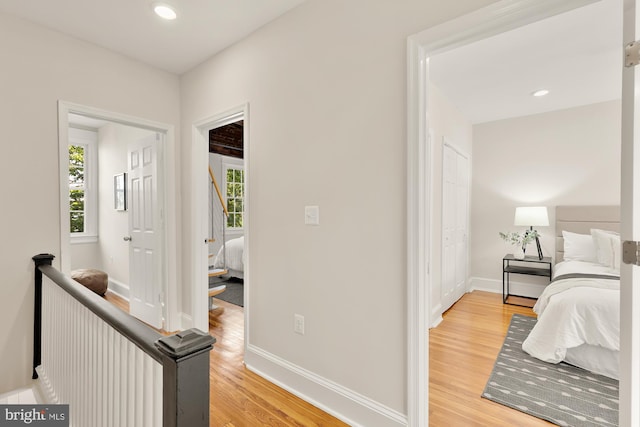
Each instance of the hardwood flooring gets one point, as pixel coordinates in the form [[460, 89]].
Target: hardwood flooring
[[238, 397], [462, 351]]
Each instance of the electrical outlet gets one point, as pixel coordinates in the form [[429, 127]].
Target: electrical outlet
[[298, 324]]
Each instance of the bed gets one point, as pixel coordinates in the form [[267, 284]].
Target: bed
[[230, 257], [578, 313]]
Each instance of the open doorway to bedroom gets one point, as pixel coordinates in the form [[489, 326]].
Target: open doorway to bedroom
[[99, 197], [226, 215], [220, 179], [517, 157]]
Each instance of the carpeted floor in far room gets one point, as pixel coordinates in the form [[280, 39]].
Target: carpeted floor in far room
[[234, 293]]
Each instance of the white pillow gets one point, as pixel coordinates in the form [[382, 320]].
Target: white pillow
[[579, 247], [608, 248]]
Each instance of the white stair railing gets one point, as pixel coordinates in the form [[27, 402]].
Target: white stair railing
[[111, 369]]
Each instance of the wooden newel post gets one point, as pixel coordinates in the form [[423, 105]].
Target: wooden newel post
[[40, 259], [186, 378]]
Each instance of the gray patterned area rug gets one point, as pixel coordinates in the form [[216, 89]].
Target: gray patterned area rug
[[562, 394]]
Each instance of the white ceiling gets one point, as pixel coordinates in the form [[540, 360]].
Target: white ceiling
[[577, 56], [203, 27]]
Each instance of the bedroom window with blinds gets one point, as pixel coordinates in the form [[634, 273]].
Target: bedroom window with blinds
[[235, 196], [82, 197]]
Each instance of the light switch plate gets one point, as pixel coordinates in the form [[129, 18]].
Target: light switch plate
[[312, 215]]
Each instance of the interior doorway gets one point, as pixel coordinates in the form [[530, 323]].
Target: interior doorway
[[226, 214], [227, 222], [106, 210], [491, 20]]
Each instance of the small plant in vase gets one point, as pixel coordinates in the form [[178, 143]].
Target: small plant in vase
[[520, 240]]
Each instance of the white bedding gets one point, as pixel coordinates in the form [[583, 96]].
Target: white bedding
[[577, 315], [231, 257]]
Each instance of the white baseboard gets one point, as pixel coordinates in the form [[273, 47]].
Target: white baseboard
[[119, 288], [436, 316], [345, 404], [530, 290], [186, 321]]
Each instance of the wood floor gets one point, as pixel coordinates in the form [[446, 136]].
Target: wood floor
[[238, 397], [462, 352]]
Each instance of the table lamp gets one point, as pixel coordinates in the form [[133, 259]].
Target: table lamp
[[532, 216]]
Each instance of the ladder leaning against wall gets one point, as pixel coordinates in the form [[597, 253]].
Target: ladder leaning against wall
[[214, 271]]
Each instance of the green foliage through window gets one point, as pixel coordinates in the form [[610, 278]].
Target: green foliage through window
[[77, 161], [235, 197]]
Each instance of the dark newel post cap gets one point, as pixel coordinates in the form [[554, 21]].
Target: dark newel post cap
[[185, 343], [43, 259]]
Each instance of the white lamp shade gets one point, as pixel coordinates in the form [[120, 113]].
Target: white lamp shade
[[532, 216]]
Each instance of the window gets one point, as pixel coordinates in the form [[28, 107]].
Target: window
[[235, 196], [82, 185]]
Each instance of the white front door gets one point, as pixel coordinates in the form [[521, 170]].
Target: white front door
[[145, 280], [630, 230]]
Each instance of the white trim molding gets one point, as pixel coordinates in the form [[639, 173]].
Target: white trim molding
[[199, 178], [491, 20], [345, 404]]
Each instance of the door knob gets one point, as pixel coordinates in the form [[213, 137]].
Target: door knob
[[127, 238]]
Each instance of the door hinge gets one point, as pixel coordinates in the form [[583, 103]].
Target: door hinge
[[631, 252], [632, 54]]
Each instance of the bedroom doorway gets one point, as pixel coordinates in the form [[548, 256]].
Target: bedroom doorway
[[220, 214], [104, 246], [489, 21]]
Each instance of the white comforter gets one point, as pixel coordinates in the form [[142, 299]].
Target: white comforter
[[231, 256], [574, 312]]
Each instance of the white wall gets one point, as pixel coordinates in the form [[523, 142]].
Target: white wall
[[326, 87], [445, 121], [567, 157], [40, 67]]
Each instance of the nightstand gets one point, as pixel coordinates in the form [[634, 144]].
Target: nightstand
[[530, 265]]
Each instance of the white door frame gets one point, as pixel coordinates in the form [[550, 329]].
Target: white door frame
[[493, 19], [166, 195], [199, 213]]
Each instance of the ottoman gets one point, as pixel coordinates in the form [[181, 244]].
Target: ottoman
[[96, 280]]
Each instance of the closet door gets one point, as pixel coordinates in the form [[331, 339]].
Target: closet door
[[462, 221], [455, 192]]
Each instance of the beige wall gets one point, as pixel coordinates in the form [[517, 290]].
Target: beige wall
[[40, 67], [567, 157], [326, 87]]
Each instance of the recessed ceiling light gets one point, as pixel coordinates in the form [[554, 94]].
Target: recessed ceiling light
[[164, 11], [541, 92]]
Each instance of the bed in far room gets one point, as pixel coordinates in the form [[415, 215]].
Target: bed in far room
[[231, 258], [579, 312]]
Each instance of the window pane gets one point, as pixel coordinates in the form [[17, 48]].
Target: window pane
[[76, 175], [76, 155], [77, 222], [76, 200], [237, 175]]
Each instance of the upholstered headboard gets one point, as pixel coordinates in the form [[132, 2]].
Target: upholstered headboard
[[581, 219]]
